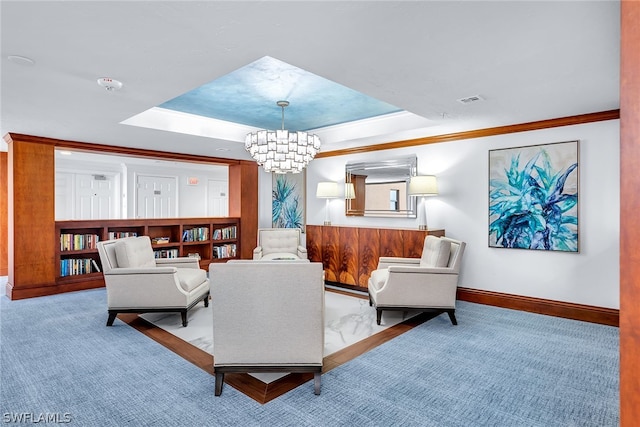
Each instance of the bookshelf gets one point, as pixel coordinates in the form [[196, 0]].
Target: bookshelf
[[208, 239]]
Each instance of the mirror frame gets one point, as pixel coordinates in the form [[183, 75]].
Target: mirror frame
[[355, 207]]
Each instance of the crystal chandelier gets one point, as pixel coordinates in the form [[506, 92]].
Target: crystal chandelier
[[282, 151]]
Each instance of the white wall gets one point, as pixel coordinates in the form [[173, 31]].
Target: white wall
[[590, 277], [192, 199]]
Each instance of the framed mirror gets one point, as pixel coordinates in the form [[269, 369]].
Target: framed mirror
[[380, 188]]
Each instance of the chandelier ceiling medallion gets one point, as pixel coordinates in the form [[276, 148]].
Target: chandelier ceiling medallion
[[282, 151]]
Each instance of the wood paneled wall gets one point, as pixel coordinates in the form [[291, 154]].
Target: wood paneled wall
[[31, 227], [629, 217], [31, 235], [350, 254], [4, 220], [243, 203]]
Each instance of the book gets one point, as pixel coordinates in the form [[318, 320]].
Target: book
[[95, 265]]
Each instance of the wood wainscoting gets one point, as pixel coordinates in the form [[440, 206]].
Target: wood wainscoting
[[350, 254]]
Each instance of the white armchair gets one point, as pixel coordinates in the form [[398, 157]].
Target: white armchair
[[137, 282], [279, 243], [268, 316], [426, 283]]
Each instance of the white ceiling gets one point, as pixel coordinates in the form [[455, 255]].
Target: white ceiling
[[529, 61]]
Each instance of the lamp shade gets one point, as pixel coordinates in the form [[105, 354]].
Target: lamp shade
[[423, 185], [349, 191], [327, 190]]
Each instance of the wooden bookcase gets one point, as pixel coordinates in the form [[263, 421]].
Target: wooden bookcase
[[33, 247], [350, 254], [199, 237]]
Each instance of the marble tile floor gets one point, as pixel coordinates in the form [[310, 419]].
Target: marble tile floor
[[348, 319]]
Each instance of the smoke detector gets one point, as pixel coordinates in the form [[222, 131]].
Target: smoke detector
[[109, 84], [470, 99]]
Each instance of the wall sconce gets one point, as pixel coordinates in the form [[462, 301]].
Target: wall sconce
[[424, 185], [328, 191]]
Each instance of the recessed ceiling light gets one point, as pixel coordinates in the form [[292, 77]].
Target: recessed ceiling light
[[65, 153], [21, 60], [222, 149]]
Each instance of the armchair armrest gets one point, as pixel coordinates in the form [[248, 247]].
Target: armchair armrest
[[181, 262], [136, 270], [302, 252], [385, 262], [257, 252], [418, 269]]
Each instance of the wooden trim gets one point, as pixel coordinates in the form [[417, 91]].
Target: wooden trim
[[118, 150], [629, 219], [52, 288], [254, 388], [586, 313], [479, 133], [4, 214]]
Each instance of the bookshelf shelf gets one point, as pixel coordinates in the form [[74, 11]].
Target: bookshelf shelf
[[197, 231]]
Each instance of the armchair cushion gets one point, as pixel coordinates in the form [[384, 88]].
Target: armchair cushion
[[273, 256], [435, 252], [136, 253], [191, 278], [279, 241]]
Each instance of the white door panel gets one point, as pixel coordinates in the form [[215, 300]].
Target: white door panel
[[64, 195], [95, 196], [218, 198], [156, 196]]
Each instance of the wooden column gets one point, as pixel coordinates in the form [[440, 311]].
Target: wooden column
[[4, 201], [31, 218], [629, 217], [243, 203]]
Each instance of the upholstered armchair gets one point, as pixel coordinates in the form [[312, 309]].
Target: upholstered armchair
[[427, 283], [137, 282], [279, 243], [268, 316]]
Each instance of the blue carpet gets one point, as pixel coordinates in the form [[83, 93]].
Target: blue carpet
[[496, 368]]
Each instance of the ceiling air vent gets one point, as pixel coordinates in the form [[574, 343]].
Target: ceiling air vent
[[470, 99]]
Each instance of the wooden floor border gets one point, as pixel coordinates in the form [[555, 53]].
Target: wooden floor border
[[253, 387]]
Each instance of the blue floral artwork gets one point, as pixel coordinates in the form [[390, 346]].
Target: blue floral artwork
[[533, 197], [287, 202]]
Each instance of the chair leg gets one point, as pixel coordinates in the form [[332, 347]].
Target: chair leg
[[316, 383], [219, 382], [378, 315], [184, 318], [206, 300], [112, 317], [452, 316]]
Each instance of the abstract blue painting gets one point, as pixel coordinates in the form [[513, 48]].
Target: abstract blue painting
[[533, 197], [287, 202]]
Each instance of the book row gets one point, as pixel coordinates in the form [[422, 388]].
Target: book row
[[77, 242], [121, 234], [198, 234], [224, 251], [225, 233], [75, 266], [166, 253]]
